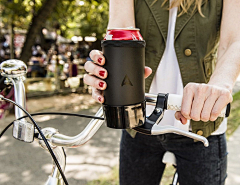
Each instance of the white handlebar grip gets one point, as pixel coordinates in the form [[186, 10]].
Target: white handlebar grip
[[175, 101]]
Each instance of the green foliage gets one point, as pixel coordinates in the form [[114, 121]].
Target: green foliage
[[62, 17], [18, 11], [113, 177], [108, 179], [81, 17], [74, 17], [94, 18], [233, 120]]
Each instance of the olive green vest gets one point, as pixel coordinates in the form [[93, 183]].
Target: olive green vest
[[196, 40]]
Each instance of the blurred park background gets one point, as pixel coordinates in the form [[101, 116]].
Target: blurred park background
[[54, 38]]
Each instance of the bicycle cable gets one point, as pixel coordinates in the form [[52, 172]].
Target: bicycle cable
[[51, 113], [43, 137]]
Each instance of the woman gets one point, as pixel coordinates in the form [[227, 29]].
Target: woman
[[185, 39]]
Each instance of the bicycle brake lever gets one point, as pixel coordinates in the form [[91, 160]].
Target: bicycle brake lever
[[151, 127], [155, 117]]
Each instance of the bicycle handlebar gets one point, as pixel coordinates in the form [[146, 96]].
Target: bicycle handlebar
[[174, 102], [80, 139], [93, 126]]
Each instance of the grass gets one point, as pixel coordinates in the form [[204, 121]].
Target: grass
[[112, 177], [233, 123], [233, 120], [109, 179]]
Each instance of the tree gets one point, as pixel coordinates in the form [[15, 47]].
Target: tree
[[81, 18], [12, 13], [19, 11], [93, 18], [38, 22]]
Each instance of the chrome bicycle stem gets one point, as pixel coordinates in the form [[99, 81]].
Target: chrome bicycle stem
[[14, 71], [19, 95]]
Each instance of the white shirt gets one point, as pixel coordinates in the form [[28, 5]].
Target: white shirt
[[168, 78]]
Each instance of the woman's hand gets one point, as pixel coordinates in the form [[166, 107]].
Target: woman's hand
[[203, 102], [97, 74]]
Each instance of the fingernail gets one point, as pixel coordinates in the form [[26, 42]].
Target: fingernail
[[100, 60], [101, 84], [102, 73], [181, 120], [99, 99]]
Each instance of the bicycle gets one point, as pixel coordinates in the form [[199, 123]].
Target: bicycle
[[53, 141]]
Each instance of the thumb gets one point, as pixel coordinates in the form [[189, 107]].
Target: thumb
[[148, 71], [180, 117]]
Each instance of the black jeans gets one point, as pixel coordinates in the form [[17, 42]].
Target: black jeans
[[141, 159]]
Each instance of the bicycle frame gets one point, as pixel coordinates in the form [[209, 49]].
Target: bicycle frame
[[15, 70]]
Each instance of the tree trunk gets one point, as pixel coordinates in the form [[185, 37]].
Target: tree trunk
[[37, 24], [12, 35]]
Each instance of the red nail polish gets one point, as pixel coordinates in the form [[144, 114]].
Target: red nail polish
[[181, 120], [101, 84], [99, 99], [100, 60], [102, 73]]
